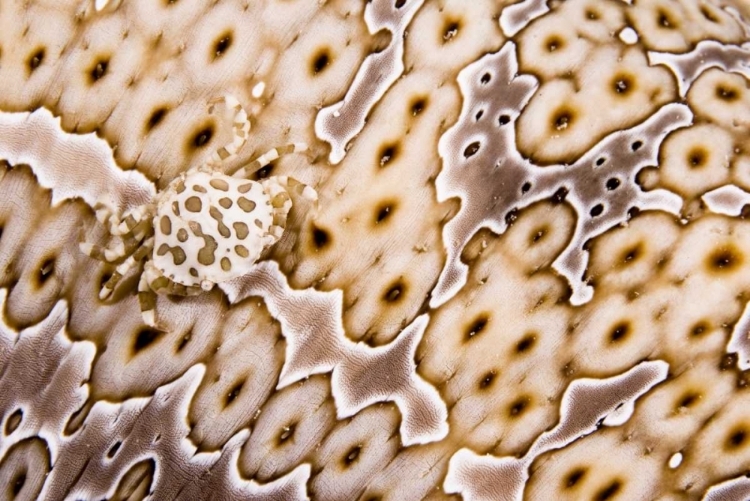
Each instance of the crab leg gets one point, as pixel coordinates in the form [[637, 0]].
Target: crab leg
[[240, 129], [279, 188], [139, 255], [268, 157]]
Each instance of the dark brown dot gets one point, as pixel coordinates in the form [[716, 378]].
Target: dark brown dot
[[418, 106], [384, 212], [226, 264], [554, 43], [633, 212], [113, 450], [321, 238], [612, 183], [193, 272], [99, 69], [609, 492], [623, 84], [538, 234], [700, 328], [265, 172], [241, 230], [206, 255], [180, 186], [155, 119], [35, 60], [18, 482], [476, 327], [320, 62], [241, 251], [708, 14], [728, 362], [485, 79], [165, 224], [511, 216], [688, 399], [600, 161], [234, 393], [259, 223], [525, 344], [182, 235], [619, 332], [203, 136], [199, 189], [726, 93], [631, 254], [287, 432], [11, 424], [562, 119], [145, 338], [526, 187], [387, 154], [487, 380], [596, 210], [664, 20], [46, 270], [244, 188], [219, 184], [560, 195], [471, 150], [450, 30], [697, 157], [736, 438], [222, 45], [592, 15], [193, 204], [246, 204], [519, 406], [503, 120], [572, 478], [225, 202], [636, 145], [400, 3], [395, 292], [724, 259], [352, 455]]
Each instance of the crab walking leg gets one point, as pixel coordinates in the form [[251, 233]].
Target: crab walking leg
[[268, 157], [147, 298], [240, 129], [124, 247], [139, 255], [278, 189]]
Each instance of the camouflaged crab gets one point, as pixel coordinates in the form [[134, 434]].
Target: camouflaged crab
[[206, 227]]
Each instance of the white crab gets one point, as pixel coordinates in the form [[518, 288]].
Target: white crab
[[206, 227]]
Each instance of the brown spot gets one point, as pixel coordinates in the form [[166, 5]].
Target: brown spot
[[688, 400], [664, 20], [512, 216], [609, 492], [99, 69], [612, 184], [476, 327], [724, 259], [519, 406], [155, 119], [596, 210], [193, 272], [241, 230], [727, 93], [320, 238], [554, 42], [259, 224], [244, 188], [180, 186], [700, 328], [697, 157], [619, 332], [592, 15], [538, 234], [241, 250], [165, 224], [206, 255], [246, 204], [384, 211], [202, 137], [418, 106], [287, 432], [46, 270], [632, 254], [527, 343], [182, 235], [396, 292], [218, 216], [623, 84], [11, 424], [387, 154], [472, 149], [199, 189], [193, 204], [560, 195], [708, 14], [219, 184], [736, 438], [234, 393], [450, 30], [145, 338], [226, 264], [222, 44], [487, 380], [225, 202], [320, 61], [728, 362], [35, 59], [18, 481], [572, 478], [562, 119], [352, 455]]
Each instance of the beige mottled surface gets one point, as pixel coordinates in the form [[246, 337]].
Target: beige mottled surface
[[281, 394]]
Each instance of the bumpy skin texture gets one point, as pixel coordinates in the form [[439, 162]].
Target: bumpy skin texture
[[335, 369]]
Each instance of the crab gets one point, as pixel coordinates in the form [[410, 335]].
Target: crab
[[204, 228]]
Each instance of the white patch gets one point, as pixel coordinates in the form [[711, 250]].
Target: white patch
[[100, 4], [628, 36], [675, 460], [258, 89]]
